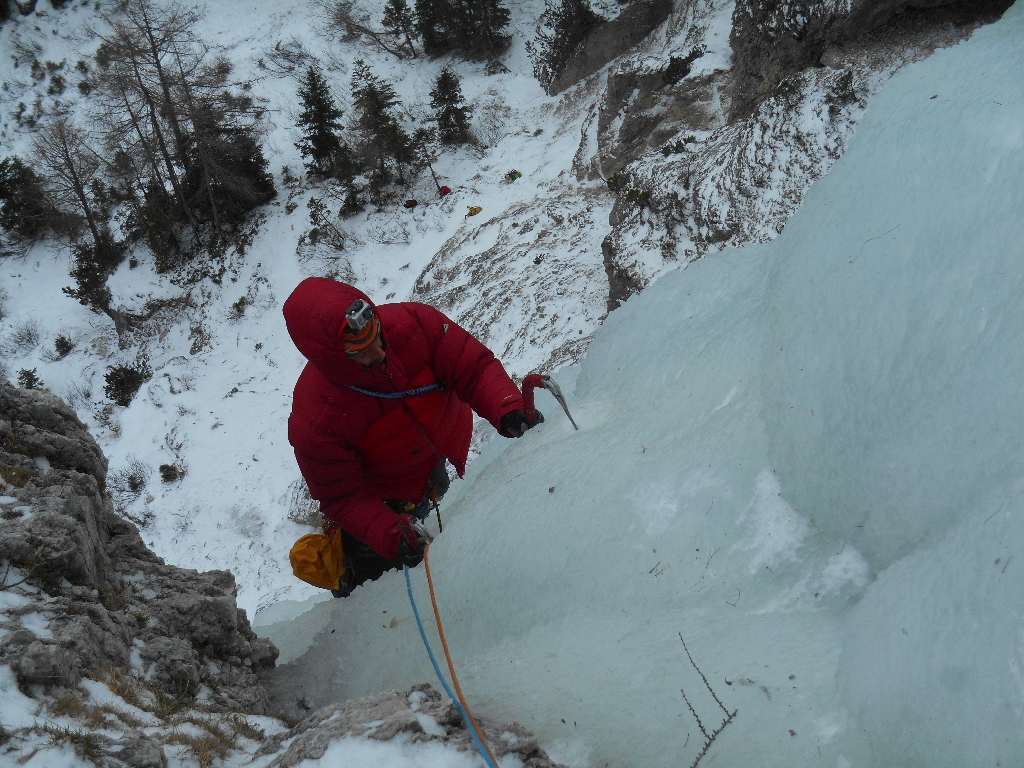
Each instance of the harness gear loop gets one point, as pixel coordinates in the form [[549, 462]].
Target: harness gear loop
[[460, 701]]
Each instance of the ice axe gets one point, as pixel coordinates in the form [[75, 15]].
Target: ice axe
[[543, 381]]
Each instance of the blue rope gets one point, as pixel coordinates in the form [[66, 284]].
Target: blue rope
[[396, 395], [444, 683]]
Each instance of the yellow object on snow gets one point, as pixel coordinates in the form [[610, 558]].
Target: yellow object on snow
[[474, 210], [317, 558]]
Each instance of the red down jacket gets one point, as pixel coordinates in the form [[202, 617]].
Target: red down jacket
[[356, 449]]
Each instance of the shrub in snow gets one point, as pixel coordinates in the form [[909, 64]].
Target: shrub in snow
[[27, 379], [77, 394], [23, 338], [57, 86], [25, 210], [124, 381], [323, 228], [237, 311], [63, 346], [171, 472], [126, 485]]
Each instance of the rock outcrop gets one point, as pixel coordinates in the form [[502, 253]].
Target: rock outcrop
[[773, 40], [98, 590], [611, 39], [82, 595], [420, 714]]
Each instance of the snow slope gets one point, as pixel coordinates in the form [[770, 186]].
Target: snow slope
[[219, 398], [801, 457]]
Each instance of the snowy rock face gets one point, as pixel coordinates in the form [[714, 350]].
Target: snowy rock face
[[83, 597], [724, 155], [611, 39], [803, 458], [773, 40]]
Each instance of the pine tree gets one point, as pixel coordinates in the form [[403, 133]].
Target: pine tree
[[451, 111], [560, 33], [476, 27], [320, 124], [431, 26], [484, 36], [228, 175], [385, 143], [400, 21]]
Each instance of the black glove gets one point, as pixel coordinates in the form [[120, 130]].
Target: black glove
[[410, 555], [515, 423], [410, 546]]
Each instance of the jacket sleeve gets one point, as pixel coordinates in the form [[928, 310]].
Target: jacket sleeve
[[468, 367], [334, 476]]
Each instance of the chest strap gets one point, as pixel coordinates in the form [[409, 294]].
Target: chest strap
[[397, 395]]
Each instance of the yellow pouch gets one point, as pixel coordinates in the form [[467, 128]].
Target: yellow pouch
[[317, 558]]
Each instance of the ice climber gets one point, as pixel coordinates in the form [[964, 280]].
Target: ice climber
[[381, 405]]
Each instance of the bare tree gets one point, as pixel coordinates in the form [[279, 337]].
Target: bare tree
[[179, 108], [158, 36], [139, 54], [69, 166]]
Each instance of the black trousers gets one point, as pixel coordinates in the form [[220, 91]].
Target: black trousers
[[362, 562]]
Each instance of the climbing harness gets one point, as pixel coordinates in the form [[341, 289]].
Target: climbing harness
[[460, 701], [397, 395]]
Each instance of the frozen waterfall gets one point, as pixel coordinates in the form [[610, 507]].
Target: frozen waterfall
[[803, 456]]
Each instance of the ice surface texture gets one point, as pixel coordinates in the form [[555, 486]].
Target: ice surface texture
[[804, 456]]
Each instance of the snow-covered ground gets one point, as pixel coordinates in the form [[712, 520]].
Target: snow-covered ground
[[528, 267]]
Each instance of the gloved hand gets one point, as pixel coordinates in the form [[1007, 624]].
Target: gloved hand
[[410, 545], [515, 423]]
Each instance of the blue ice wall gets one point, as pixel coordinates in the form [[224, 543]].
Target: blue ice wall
[[804, 457]]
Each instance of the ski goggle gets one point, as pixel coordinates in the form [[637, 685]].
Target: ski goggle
[[361, 328]]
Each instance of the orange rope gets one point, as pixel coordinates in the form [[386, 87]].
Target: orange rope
[[448, 656]]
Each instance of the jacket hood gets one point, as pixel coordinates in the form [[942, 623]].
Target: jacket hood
[[315, 315]]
